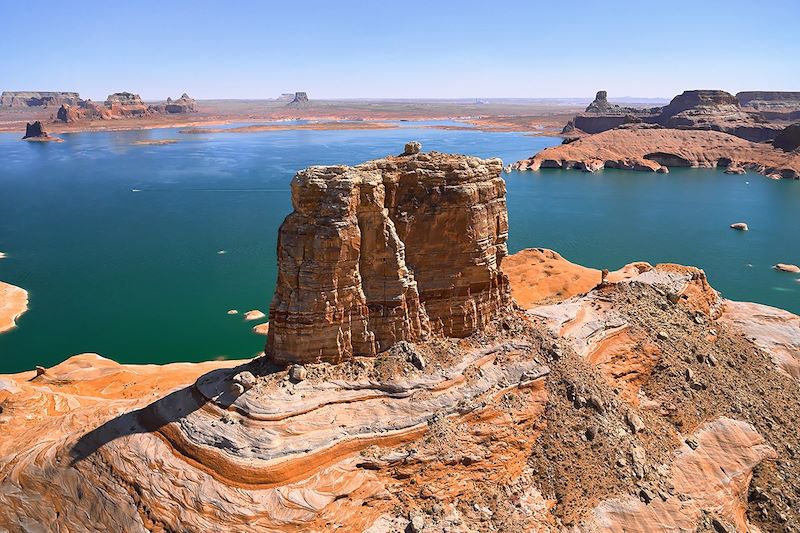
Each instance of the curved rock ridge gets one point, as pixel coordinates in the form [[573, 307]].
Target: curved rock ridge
[[389, 250], [655, 150]]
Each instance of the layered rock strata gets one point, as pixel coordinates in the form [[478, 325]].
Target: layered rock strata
[[655, 150], [769, 100], [389, 250], [38, 98], [713, 110]]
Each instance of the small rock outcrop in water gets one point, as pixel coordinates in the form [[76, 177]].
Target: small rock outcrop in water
[[784, 267], [389, 250], [300, 100], [740, 226], [34, 131]]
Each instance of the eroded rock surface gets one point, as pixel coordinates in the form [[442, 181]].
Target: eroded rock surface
[[38, 98], [712, 110], [655, 150], [389, 250]]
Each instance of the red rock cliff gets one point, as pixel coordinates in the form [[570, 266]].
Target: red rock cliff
[[388, 250]]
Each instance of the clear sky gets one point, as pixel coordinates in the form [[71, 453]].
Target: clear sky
[[407, 48]]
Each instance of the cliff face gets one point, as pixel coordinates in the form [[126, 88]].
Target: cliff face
[[390, 250], [768, 100], [300, 100], [699, 109]]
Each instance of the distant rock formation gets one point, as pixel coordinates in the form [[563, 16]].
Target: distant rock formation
[[656, 149], [788, 139], [38, 99], [184, 104], [698, 109], [34, 130], [285, 97], [123, 105], [67, 113], [601, 104], [124, 98], [769, 99], [389, 250], [300, 100]]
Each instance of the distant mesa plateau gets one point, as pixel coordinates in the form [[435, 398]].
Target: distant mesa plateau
[[417, 378], [697, 129]]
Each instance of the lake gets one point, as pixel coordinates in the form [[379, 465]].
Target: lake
[[138, 252]]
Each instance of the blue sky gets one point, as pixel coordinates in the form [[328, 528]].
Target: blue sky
[[409, 48]]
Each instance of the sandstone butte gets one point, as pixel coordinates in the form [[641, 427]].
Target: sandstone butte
[[391, 250], [656, 149], [635, 401]]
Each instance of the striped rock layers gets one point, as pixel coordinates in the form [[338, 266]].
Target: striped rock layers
[[389, 250]]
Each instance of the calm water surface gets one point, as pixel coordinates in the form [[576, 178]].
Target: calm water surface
[[119, 245]]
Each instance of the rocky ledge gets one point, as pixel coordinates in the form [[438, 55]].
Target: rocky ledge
[[639, 402], [656, 149]]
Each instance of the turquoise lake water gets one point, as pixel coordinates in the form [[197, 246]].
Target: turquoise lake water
[[118, 244]]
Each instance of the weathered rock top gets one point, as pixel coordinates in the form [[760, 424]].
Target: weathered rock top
[[601, 104], [38, 98], [699, 98], [392, 249], [300, 100], [124, 98]]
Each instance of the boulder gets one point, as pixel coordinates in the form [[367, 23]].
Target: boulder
[[297, 373], [412, 148], [741, 226]]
